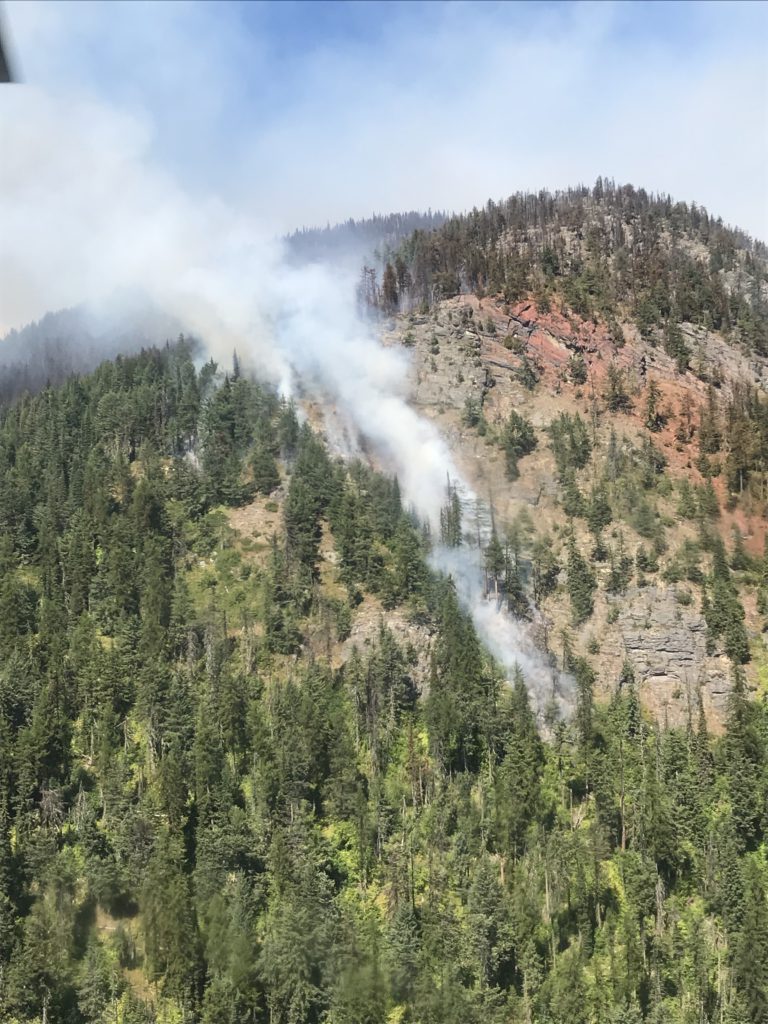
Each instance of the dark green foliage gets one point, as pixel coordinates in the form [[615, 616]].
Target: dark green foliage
[[635, 252], [710, 436], [655, 417], [461, 694], [266, 476], [620, 568], [709, 506], [581, 584], [236, 414], [494, 560], [577, 369], [473, 414], [571, 497], [686, 505], [309, 493], [762, 581], [751, 962], [571, 444], [389, 293], [674, 344], [686, 564], [599, 513], [450, 519], [528, 373], [723, 610], [616, 396], [520, 760], [203, 818], [745, 762], [745, 437], [518, 438], [545, 568]]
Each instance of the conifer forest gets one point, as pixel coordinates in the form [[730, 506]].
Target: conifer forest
[[217, 806]]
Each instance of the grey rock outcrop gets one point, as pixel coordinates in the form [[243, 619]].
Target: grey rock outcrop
[[666, 642]]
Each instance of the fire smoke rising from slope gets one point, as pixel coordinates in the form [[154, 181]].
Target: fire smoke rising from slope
[[87, 217], [508, 640]]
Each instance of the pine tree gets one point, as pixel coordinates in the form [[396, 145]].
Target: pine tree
[[518, 787], [7, 887], [616, 397], [599, 514], [495, 562], [450, 519], [710, 437], [517, 439], [545, 568], [762, 587], [389, 293], [581, 584], [740, 560], [686, 506], [709, 506], [746, 760], [751, 960], [266, 476], [723, 611], [654, 417]]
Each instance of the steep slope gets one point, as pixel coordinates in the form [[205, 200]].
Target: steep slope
[[476, 362], [617, 327], [255, 764], [611, 251]]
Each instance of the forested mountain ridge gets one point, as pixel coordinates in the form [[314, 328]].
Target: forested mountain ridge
[[603, 372], [610, 251], [255, 764], [356, 241], [76, 341]]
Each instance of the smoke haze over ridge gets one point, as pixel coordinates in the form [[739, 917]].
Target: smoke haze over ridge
[[91, 213], [136, 235]]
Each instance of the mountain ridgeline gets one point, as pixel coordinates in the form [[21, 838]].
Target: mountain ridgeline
[[255, 763], [357, 241], [610, 251]]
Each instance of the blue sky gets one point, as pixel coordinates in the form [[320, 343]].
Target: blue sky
[[301, 113]]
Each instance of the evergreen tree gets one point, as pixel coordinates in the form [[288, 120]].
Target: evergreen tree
[[266, 476], [581, 584], [751, 965], [389, 292], [616, 396], [450, 519], [517, 439]]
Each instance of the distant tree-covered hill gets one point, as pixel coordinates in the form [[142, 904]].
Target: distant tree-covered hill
[[75, 341], [360, 241]]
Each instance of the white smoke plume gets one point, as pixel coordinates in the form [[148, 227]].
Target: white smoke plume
[[87, 218], [508, 640]]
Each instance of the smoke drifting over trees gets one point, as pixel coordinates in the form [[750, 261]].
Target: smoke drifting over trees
[[96, 220]]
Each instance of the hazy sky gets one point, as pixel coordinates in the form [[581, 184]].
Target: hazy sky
[[306, 113]]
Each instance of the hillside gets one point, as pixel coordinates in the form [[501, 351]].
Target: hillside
[[674, 414], [480, 364], [613, 252], [256, 764], [76, 340]]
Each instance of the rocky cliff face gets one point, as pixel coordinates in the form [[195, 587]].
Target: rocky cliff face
[[667, 645], [469, 353]]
